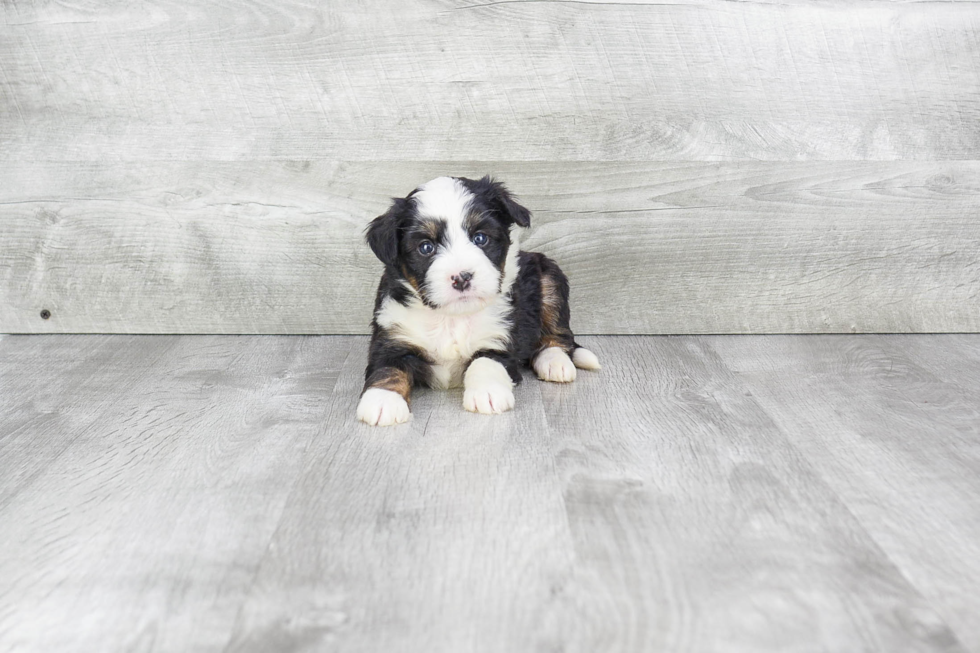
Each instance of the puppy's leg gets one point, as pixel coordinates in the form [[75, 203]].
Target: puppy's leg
[[393, 368], [384, 400], [488, 385], [558, 354]]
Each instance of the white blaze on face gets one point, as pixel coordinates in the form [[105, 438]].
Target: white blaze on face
[[448, 200]]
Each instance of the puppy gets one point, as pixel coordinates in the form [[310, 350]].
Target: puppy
[[460, 304]]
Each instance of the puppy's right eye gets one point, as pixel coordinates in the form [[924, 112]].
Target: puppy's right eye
[[426, 248]]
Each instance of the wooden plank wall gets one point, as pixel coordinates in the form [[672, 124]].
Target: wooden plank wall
[[701, 166]]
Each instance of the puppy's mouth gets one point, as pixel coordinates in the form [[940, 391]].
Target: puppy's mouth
[[466, 301], [467, 297]]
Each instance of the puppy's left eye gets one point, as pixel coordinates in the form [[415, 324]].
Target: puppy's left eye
[[480, 239]]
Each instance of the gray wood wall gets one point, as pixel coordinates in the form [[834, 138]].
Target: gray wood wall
[[701, 166]]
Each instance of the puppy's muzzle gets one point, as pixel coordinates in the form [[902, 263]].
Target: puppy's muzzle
[[461, 281]]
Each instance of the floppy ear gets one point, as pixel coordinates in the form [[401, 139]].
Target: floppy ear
[[508, 207], [382, 233]]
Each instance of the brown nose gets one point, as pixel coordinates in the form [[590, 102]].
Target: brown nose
[[461, 281]]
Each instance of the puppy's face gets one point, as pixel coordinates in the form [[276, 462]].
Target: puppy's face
[[449, 241]]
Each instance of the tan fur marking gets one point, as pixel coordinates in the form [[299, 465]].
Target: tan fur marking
[[471, 219], [410, 278], [551, 341], [395, 380], [550, 304], [554, 335], [431, 229]]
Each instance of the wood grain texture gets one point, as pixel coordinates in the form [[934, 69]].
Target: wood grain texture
[[216, 494], [444, 534], [276, 247], [468, 80], [893, 426], [698, 526], [40, 419], [150, 474]]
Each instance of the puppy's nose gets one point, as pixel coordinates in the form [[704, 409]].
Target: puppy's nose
[[461, 281]]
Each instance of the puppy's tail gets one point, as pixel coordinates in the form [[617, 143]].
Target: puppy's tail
[[585, 359]]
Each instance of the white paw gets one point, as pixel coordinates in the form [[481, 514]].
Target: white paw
[[585, 359], [379, 407], [488, 400], [487, 387], [553, 364]]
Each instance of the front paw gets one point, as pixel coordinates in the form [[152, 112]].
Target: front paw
[[553, 364], [380, 407], [488, 399], [487, 387]]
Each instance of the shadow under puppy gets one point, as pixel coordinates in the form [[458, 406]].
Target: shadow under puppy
[[460, 304]]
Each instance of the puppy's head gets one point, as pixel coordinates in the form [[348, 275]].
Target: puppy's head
[[452, 241]]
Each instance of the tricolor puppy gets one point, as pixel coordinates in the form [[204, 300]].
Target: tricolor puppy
[[460, 304]]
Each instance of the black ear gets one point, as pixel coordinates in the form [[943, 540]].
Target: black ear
[[506, 204], [382, 232]]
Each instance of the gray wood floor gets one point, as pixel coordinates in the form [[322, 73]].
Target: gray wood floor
[[738, 493]]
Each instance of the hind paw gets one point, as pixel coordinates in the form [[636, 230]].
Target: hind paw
[[585, 359], [553, 364]]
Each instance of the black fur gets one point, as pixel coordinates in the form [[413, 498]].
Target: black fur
[[387, 352], [383, 232], [497, 198], [529, 329]]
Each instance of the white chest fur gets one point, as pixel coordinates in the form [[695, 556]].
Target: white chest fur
[[448, 340]]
